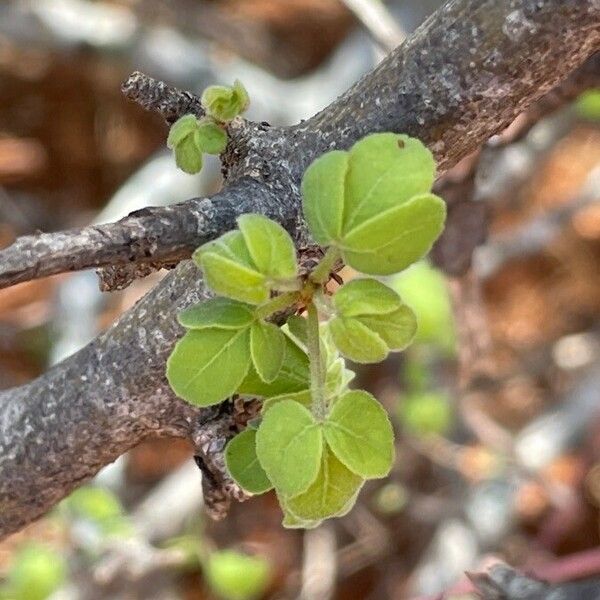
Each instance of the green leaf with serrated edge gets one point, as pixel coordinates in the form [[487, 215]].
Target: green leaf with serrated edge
[[181, 129], [396, 329], [365, 297], [296, 328], [233, 279], [208, 365], [222, 313], [359, 433], [230, 245], [302, 397], [323, 196], [293, 376], [242, 463], [188, 156], [356, 341], [289, 444], [209, 137], [330, 493], [384, 170], [270, 246], [267, 346], [396, 238]]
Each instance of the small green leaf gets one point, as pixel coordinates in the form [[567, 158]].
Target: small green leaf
[[384, 171], [323, 196], [242, 463], [293, 376], [360, 434], [289, 444], [188, 157], [235, 576], [270, 246], [209, 137], [365, 297], [332, 493], [267, 345], [396, 329], [225, 103], [302, 397], [208, 365], [356, 341], [230, 245], [296, 328], [222, 313], [181, 129], [391, 241], [337, 378], [233, 279]]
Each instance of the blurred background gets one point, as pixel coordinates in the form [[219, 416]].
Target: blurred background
[[496, 405]]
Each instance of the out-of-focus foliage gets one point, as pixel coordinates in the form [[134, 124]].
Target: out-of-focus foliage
[[36, 572], [424, 413], [588, 104], [236, 576], [423, 289]]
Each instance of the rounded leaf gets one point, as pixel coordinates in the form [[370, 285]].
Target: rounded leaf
[[289, 444], [181, 129], [235, 576], [267, 346], [188, 156], [364, 297], [396, 238], [225, 103], [269, 245], [396, 329], [208, 365], [323, 196], [332, 493], [243, 465], [384, 171], [209, 137], [359, 433], [222, 313], [356, 341]]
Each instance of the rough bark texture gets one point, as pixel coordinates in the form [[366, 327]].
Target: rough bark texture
[[463, 76]]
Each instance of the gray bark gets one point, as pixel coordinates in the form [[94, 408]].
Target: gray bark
[[463, 76]]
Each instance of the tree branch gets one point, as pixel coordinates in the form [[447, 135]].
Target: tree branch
[[463, 76]]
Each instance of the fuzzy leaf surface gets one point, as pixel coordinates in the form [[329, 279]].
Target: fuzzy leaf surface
[[243, 465], [267, 346], [222, 313]]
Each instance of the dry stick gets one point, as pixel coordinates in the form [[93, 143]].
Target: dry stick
[[463, 76]]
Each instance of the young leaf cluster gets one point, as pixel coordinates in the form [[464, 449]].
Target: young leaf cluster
[[190, 137], [316, 442]]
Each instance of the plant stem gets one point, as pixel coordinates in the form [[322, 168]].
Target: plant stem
[[276, 304], [321, 272], [317, 373]]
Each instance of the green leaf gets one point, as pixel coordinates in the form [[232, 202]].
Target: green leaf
[[222, 313], [270, 246], [302, 397], [323, 196], [208, 365], [235, 576], [233, 279], [360, 434], [181, 129], [296, 328], [188, 157], [267, 346], [209, 137], [293, 376], [396, 329], [365, 297], [289, 444], [230, 245], [242, 463], [337, 378], [36, 573], [356, 341], [384, 171], [331, 494], [396, 238], [225, 103]]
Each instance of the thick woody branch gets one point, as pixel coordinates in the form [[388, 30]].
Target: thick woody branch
[[462, 77]]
